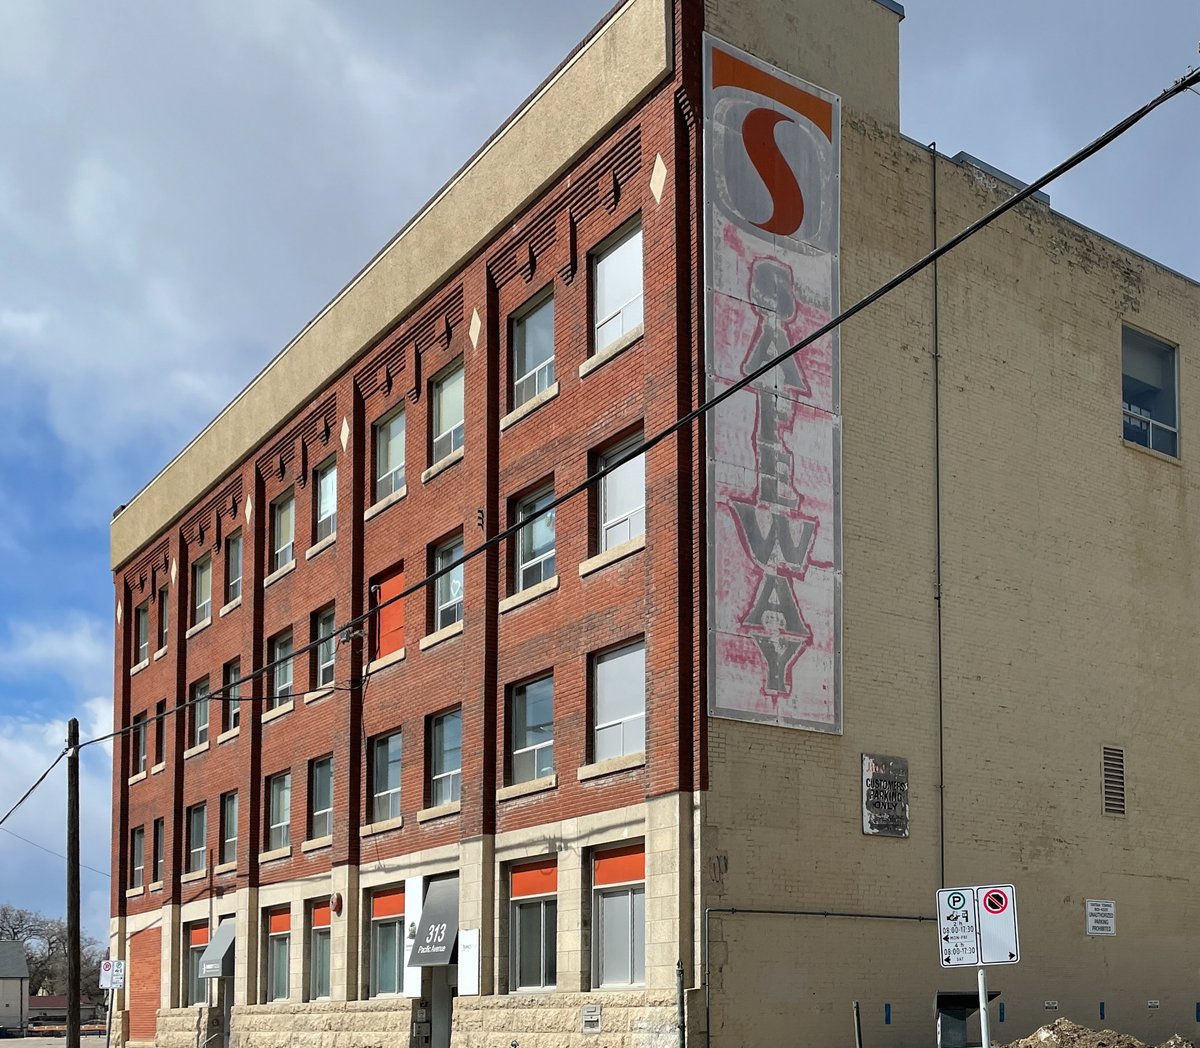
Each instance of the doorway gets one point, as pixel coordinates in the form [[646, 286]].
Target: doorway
[[441, 1001]]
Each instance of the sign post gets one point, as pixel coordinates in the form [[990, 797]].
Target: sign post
[[985, 1032]]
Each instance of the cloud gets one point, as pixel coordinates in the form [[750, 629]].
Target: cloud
[[77, 650]]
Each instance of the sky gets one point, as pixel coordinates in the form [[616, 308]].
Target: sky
[[183, 186]]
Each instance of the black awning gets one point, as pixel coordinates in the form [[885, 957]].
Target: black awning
[[438, 930], [217, 960]]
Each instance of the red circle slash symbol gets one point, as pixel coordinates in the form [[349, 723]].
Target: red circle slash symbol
[[995, 902]]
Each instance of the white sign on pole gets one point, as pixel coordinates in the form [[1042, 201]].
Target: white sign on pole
[[997, 912], [1101, 916], [958, 940], [112, 975], [978, 925]]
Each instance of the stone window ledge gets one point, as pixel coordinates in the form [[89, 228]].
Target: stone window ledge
[[133, 893], [233, 605], [196, 750], [226, 867], [531, 593], [1162, 456], [160, 653], [135, 670], [317, 695], [439, 812], [529, 407], [443, 464], [158, 768], [133, 780], [432, 639], [278, 853], [611, 556], [524, 789], [200, 626], [279, 573], [320, 547], [612, 766], [598, 360], [157, 886], [317, 843], [384, 661], [195, 875], [388, 500], [278, 711], [228, 736], [372, 828]]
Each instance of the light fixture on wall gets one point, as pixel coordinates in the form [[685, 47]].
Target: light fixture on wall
[[335, 903], [412, 931]]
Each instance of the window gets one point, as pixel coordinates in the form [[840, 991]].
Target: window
[[137, 857], [388, 623], [535, 541], [534, 929], [445, 750], [195, 990], [320, 798], [387, 942], [229, 827], [448, 592], [198, 714], [326, 650], [319, 957], [141, 632], [385, 777], [1149, 392], [156, 869], [137, 742], [160, 731], [622, 496], [279, 811], [164, 617], [197, 840], [619, 702], [202, 590], [325, 483], [533, 351], [279, 650], [231, 675], [283, 531], [619, 917], [617, 287], [447, 413], [1113, 761], [533, 730], [279, 939], [233, 567], [389, 454]]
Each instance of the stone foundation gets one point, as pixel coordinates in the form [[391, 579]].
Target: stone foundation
[[640, 1019], [188, 1028], [323, 1024]]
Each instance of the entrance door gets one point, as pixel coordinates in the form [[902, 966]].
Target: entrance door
[[441, 1000]]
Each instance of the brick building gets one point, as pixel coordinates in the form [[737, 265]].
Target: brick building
[[853, 637]]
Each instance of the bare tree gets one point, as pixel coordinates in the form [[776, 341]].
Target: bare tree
[[45, 940]]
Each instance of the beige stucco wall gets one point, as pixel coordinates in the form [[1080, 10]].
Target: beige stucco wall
[[14, 1007]]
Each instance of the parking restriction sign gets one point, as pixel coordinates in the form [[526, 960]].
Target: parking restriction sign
[[977, 925]]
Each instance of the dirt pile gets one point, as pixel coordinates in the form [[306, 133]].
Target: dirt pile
[[1062, 1033]]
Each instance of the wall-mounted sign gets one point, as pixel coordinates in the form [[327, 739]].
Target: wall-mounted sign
[[885, 796], [1101, 916]]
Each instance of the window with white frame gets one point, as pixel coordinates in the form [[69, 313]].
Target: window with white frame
[[325, 483], [386, 754], [279, 654], [202, 590], [326, 649], [283, 531], [229, 827], [390, 454], [387, 942], [532, 718], [156, 867], [319, 952], [448, 408], [445, 752], [195, 988], [279, 811], [617, 290], [164, 617], [1149, 391], [233, 567], [448, 590], [137, 742], [622, 509], [141, 632], [533, 927], [231, 676], [619, 917], [619, 702], [535, 541], [198, 714], [197, 837], [320, 797], [137, 857], [533, 350], [279, 941]]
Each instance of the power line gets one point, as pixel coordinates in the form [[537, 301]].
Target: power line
[[51, 851], [29, 792]]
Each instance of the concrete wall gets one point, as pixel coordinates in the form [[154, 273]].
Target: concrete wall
[[14, 1006]]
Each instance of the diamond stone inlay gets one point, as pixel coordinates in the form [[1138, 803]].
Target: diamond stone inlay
[[658, 178], [475, 328], [345, 432]]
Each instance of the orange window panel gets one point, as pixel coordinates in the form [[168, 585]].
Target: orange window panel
[[535, 878], [389, 903], [389, 622], [320, 915], [619, 865], [280, 921], [198, 935]]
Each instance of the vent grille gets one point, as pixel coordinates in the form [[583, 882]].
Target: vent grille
[[1114, 780]]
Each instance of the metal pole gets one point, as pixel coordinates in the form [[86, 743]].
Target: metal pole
[[985, 1032], [108, 1030], [680, 1016], [73, 944], [857, 1026]]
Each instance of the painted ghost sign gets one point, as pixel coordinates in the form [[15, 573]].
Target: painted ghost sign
[[771, 153]]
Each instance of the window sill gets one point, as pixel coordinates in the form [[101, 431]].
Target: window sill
[[372, 828], [158, 768], [226, 867], [384, 661], [1162, 456], [133, 780], [230, 735], [442, 465], [196, 750], [317, 695], [157, 886], [135, 670], [278, 853], [523, 789], [432, 639], [526, 595], [278, 712], [233, 605], [280, 573], [388, 500], [195, 875], [133, 893], [317, 843], [612, 766], [611, 556], [160, 653], [200, 627], [439, 812], [598, 360], [529, 407], [320, 547]]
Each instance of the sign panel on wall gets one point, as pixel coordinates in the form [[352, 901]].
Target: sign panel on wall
[[771, 162], [1101, 916], [885, 796]]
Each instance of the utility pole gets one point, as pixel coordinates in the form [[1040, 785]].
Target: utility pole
[[73, 944]]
